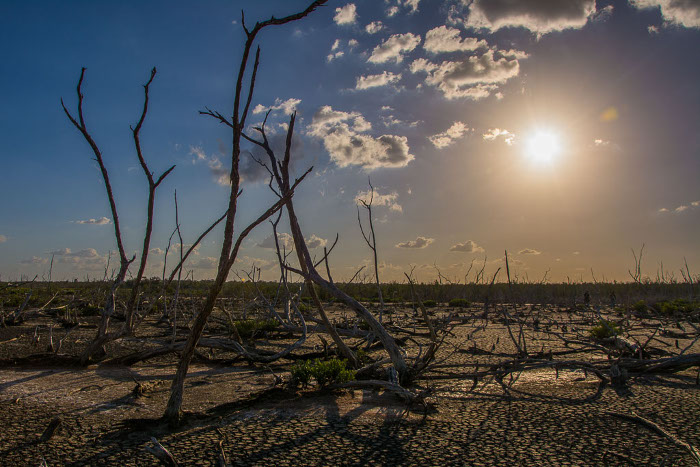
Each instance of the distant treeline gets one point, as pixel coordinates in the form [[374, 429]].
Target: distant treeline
[[564, 294]]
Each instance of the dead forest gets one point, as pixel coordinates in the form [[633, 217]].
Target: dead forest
[[480, 370]]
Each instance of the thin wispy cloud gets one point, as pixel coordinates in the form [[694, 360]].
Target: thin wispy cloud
[[100, 221], [449, 136], [287, 106]]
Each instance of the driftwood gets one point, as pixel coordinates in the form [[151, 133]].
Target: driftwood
[[161, 453], [690, 449]]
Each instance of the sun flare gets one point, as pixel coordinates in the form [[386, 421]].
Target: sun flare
[[543, 146]]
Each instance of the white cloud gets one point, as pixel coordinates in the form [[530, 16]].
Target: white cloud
[[372, 81], [473, 77], [287, 107], [396, 5], [445, 39], [352, 43], [538, 16], [156, 251], [467, 247], [333, 56], [419, 243], [3, 239], [684, 13], [100, 221], [286, 242], [348, 145], [85, 253], [389, 200], [495, 133], [529, 251], [651, 29], [374, 27], [346, 14], [449, 136], [35, 260], [216, 167], [335, 45], [316, 242], [394, 47], [682, 207]]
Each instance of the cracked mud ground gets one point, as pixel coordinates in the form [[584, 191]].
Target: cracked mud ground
[[546, 419]]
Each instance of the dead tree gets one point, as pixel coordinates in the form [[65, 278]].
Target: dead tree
[[229, 249], [280, 175], [103, 336], [371, 241]]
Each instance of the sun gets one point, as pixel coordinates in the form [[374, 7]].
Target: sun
[[543, 146]]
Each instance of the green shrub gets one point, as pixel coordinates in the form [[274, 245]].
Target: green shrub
[[677, 306], [459, 302], [429, 303], [248, 327], [640, 306], [605, 329], [90, 310], [325, 372]]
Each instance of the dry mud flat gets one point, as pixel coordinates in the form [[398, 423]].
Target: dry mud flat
[[545, 419]]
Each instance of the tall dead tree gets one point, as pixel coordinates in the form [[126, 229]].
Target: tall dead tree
[[229, 249], [371, 241], [280, 174], [103, 336]]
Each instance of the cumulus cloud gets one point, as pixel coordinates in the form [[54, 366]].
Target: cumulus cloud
[[685, 13], [286, 242], [495, 133], [373, 81], [394, 47], [3, 239], [220, 173], [316, 242], [419, 243], [85, 253], [446, 39], [474, 77], [374, 27], [287, 106], [529, 251], [449, 136], [538, 16], [389, 200], [346, 14], [343, 135], [467, 247], [100, 221]]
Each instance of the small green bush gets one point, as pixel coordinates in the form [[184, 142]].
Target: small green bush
[[90, 310], [459, 302], [640, 306], [605, 329], [325, 372], [429, 303], [247, 327], [677, 306]]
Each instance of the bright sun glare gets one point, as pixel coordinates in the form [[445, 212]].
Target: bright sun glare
[[543, 146]]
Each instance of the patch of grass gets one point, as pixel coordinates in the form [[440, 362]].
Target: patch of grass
[[247, 327], [429, 303], [677, 306], [325, 372], [459, 302], [605, 329]]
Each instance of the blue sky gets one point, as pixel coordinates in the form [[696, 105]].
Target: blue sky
[[566, 132]]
